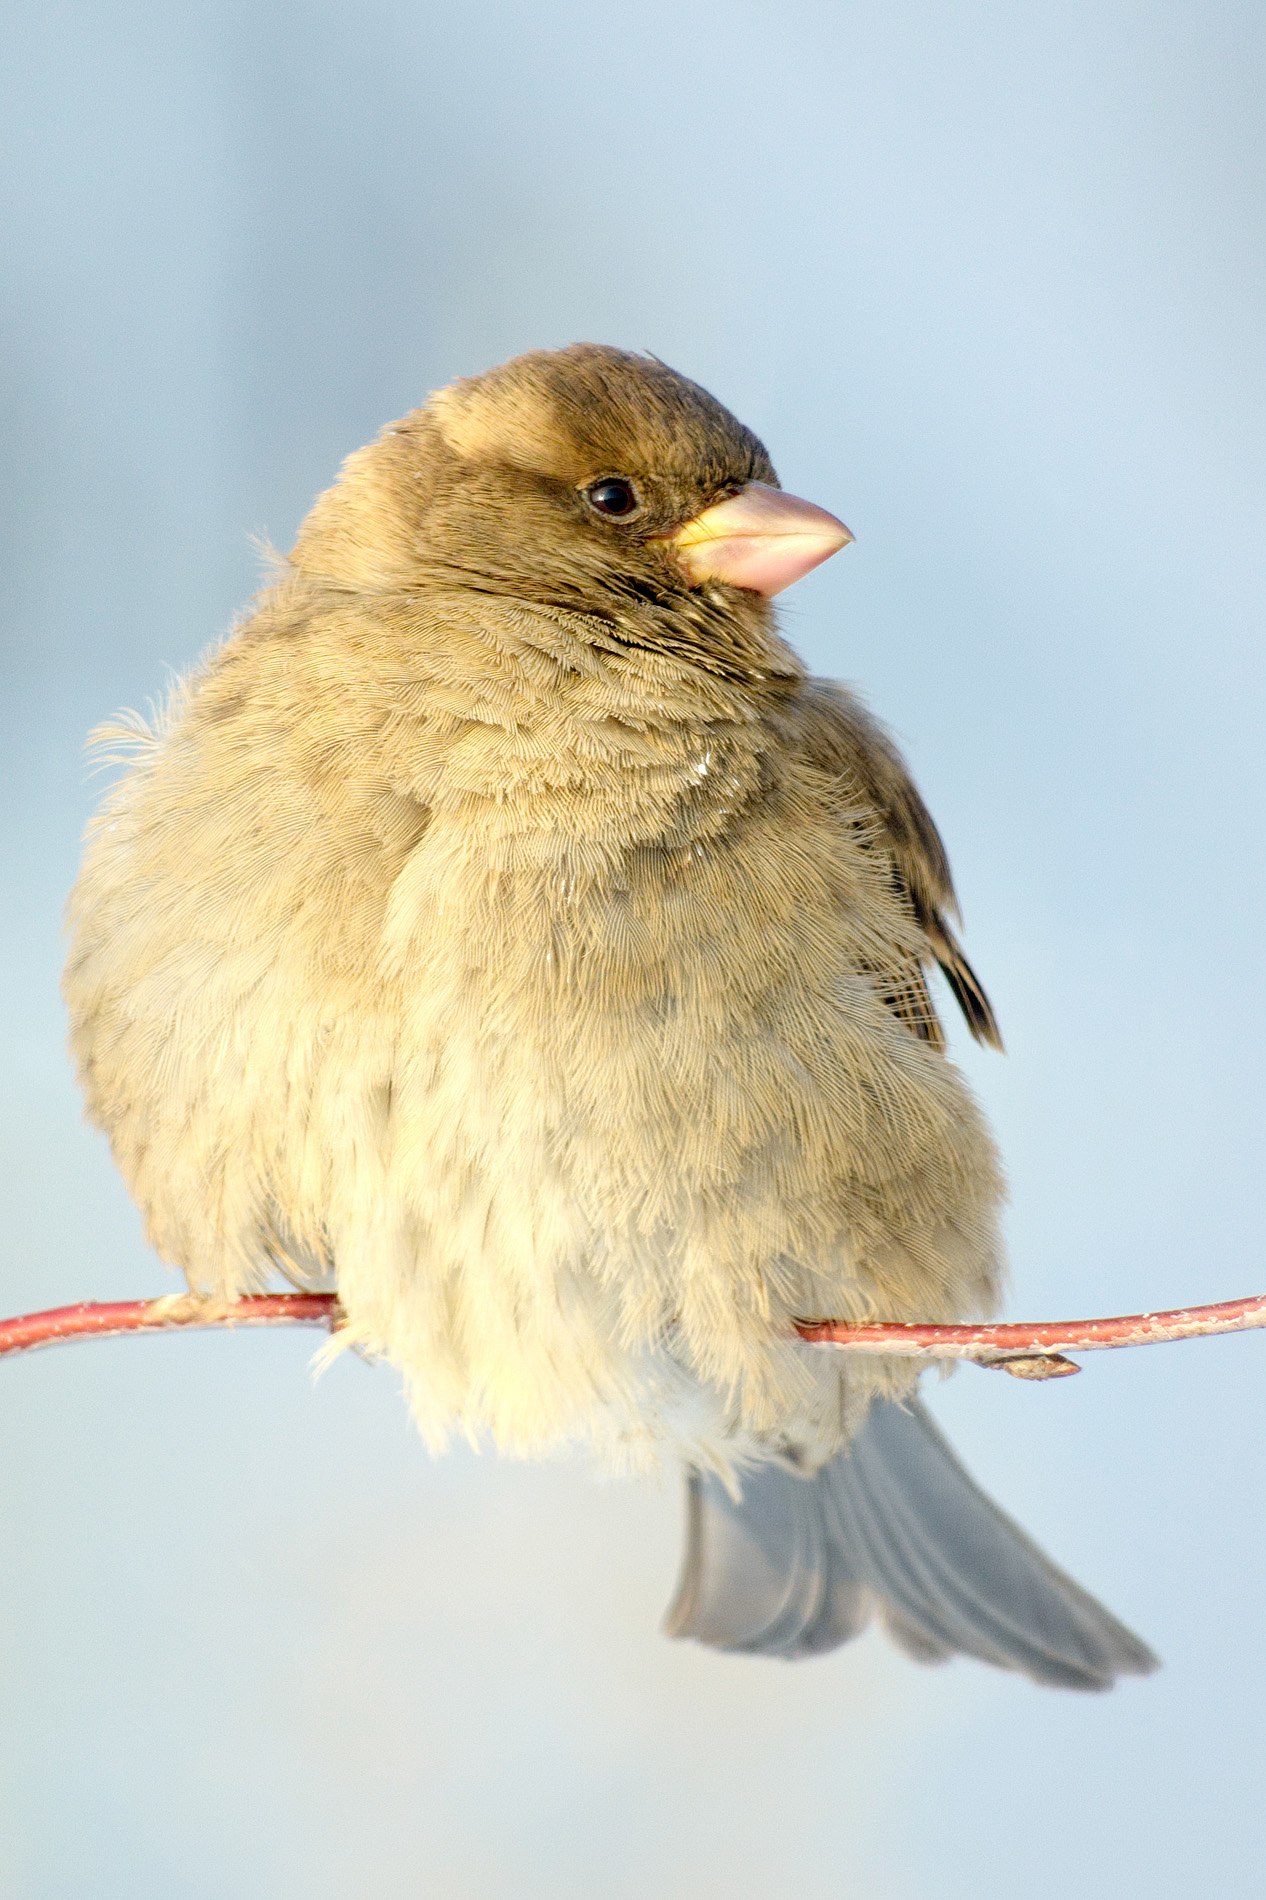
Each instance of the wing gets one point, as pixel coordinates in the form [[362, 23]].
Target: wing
[[842, 737]]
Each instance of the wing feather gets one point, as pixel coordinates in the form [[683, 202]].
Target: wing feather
[[842, 736]]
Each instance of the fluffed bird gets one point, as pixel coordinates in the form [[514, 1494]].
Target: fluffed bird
[[502, 930]]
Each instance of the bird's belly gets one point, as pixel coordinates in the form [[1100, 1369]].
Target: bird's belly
[[630, 1140]]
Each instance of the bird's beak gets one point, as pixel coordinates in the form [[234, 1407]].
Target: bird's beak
[[759, 538]]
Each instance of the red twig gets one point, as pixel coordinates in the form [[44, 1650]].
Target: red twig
[[1035, 1350], [1029, 1351], [103, 1319]]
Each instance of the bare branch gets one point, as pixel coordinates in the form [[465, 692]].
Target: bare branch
[[1033, 1350], [104, 1319]]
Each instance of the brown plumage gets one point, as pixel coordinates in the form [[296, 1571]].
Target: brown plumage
[[501, 928]]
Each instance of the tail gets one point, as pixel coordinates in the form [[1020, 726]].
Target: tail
[[892, 1526]]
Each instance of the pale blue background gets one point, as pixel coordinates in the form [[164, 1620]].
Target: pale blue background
[[989, 280]]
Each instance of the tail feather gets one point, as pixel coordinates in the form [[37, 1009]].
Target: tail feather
[[894, 1526]]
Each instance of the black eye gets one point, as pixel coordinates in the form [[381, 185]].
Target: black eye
[[613, 497]]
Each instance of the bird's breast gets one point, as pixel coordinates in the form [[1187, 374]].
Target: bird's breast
[[662, 1022]]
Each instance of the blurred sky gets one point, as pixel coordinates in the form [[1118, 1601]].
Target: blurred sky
[[988, 279]]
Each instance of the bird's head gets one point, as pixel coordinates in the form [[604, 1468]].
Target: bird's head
[[588, 479]]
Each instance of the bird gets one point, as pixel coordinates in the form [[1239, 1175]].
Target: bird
[[501, 929]]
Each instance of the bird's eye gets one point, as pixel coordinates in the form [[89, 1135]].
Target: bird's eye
[[613, 497]]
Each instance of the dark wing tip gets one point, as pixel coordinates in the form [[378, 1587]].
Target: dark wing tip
[[967, 988]]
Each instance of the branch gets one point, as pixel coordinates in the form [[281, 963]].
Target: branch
[[1027, 1351], [1035, 1349], [105, 1319]]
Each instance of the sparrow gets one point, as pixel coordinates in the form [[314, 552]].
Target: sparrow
[[501, 930]]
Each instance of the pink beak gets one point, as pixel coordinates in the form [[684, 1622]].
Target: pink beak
[[759, 538]]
